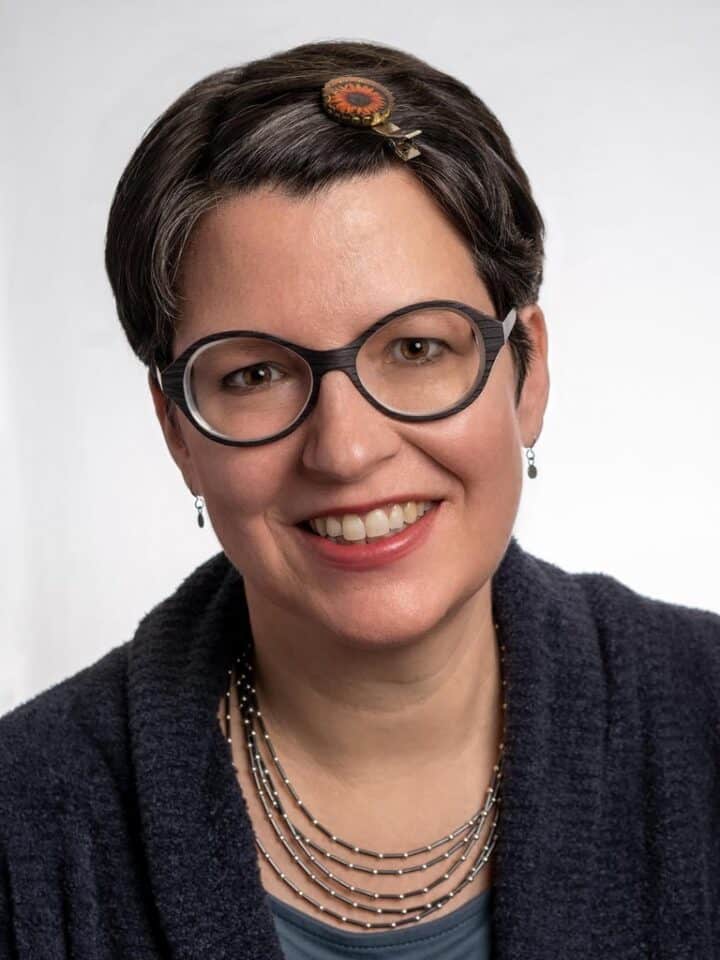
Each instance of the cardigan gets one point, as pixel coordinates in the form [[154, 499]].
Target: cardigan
[[124, 833]]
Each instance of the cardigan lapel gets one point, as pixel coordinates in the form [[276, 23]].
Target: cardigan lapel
[[195, 827], [544, 879], [197, 833]]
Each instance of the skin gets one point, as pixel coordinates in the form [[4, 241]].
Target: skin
[[364, 678]]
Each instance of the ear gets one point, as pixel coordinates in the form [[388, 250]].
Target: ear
[[536, 388], [167, 414]]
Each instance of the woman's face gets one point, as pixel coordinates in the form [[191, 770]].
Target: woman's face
[[318, 271]]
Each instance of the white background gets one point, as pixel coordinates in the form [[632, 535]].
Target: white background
[[613, 112]]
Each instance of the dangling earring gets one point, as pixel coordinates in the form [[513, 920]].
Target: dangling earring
[[199, 504], [530, 454]]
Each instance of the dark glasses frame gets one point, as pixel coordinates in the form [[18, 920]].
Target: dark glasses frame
[[173, 379]]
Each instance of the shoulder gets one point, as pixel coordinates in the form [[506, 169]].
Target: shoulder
[[614, 606], [71, 744], [617, 606], [52, 745], [669, 651]]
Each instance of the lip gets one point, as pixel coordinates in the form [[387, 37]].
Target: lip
[[361, 508], [370, 556]]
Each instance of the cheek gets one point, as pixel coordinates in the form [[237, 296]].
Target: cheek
[[493, 472], [480, 449], [241, 485]]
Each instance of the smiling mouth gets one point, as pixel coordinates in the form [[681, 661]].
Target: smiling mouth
[[306, 526]]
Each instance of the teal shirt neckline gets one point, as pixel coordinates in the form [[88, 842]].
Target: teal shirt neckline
[[477, 909]]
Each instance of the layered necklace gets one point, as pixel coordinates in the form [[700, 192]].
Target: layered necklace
[[315, 859]]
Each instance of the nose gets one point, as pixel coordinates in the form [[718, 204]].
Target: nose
[[345, 436]]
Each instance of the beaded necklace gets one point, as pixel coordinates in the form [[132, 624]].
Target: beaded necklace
[[466, 836]]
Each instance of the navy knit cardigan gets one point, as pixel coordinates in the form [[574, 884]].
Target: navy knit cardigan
[[124, 833]]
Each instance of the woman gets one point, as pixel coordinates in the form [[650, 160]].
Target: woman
[[373, 721]]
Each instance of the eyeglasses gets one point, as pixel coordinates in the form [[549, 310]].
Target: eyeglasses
[[421, 362]]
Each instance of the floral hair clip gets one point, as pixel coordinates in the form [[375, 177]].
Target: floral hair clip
[[367, 103]]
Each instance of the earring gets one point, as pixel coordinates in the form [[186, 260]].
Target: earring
[[199, 504], [530, 454]]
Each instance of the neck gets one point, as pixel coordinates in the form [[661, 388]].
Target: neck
[[363, 714]]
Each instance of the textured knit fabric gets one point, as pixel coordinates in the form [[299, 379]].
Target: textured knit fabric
[[463, 934], [124, 833]]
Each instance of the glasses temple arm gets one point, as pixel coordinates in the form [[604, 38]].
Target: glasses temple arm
[[509, 322]]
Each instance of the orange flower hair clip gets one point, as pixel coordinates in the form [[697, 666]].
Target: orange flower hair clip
[[367, 103]]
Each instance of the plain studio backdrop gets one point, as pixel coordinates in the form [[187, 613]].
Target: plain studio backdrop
[[613, 112]]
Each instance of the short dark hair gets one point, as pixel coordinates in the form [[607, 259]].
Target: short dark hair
[[262, 124]]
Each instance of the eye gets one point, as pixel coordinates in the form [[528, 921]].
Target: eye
[[259, 369], [415, 349]]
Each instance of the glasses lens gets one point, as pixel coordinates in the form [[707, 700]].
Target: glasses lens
[[247, 388], [421, 363], [424, 362]]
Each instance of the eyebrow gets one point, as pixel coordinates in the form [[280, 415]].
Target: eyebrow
[[380, 316], [281, 335], [399, 309]]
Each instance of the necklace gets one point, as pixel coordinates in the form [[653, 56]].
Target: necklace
[[466, 835]]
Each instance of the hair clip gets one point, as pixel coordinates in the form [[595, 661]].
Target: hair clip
[[367, 103]]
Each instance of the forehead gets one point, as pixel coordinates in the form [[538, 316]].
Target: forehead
[[321, 268]]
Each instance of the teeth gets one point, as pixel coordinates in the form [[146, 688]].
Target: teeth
[[380, 522]]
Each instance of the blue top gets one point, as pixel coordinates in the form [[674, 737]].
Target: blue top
[[462, 934]]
